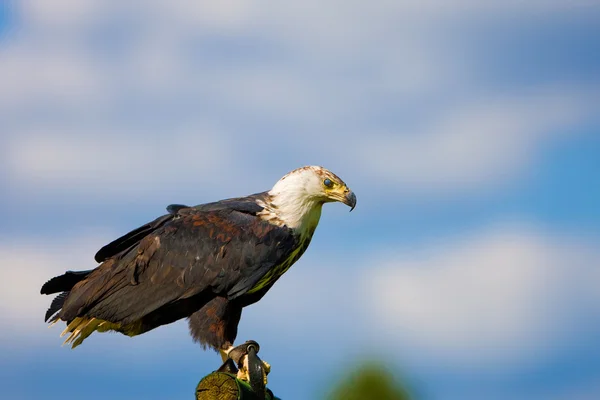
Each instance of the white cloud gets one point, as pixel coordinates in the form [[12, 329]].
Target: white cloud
[[475, 146], [79, 76], [320, 43], [32, 73], [99, 163], [505, 296], [60, 12], [51, 54], [480, 144], [26, 265], [238, 14]]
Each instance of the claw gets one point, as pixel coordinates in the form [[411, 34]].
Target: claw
[[242, 373], [267, 369]]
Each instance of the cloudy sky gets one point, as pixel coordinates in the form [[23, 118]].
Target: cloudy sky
[[470, 132]]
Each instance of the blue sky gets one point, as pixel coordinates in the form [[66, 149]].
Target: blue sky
[[469, 131]]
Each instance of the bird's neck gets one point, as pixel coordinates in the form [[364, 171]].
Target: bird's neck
[[299, 213]]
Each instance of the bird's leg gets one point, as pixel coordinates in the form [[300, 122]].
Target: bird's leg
[[228, 365], [224, 352], [239, 355]]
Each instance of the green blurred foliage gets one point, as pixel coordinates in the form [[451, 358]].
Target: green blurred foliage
[[371, 381]]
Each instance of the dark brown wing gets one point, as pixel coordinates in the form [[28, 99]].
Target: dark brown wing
[[194, 252], [245, 205], [131, 239]]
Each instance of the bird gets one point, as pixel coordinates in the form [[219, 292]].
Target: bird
[[204, 263]]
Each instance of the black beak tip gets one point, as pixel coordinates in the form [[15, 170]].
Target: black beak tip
[[351, 200]]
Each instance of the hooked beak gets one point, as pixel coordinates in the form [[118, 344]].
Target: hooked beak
[[350, 200]]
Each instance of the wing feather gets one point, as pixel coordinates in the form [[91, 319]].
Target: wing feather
[[246, 205], [131, 239]]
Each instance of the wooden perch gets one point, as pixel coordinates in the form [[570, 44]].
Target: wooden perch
[[225, 386]]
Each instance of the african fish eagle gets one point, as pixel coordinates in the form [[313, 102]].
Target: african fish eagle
[[204, 263]]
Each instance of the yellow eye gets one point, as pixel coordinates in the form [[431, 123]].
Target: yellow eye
[[327, 182]]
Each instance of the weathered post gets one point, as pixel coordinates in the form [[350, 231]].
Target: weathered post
[[225, 386]]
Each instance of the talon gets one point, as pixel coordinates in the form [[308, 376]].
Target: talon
[[243, 373], [266, 367]]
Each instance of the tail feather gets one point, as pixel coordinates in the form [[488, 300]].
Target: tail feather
[[81, 327], [78, 331], [65, 282], [86, 330], [67, 305], [55, 307]]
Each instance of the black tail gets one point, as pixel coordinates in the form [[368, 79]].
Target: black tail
[[55, 307], [63, 283]]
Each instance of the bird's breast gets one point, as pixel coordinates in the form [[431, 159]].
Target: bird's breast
[[278, 270]]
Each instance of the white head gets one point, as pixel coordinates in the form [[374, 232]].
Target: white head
[[297, 198]]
